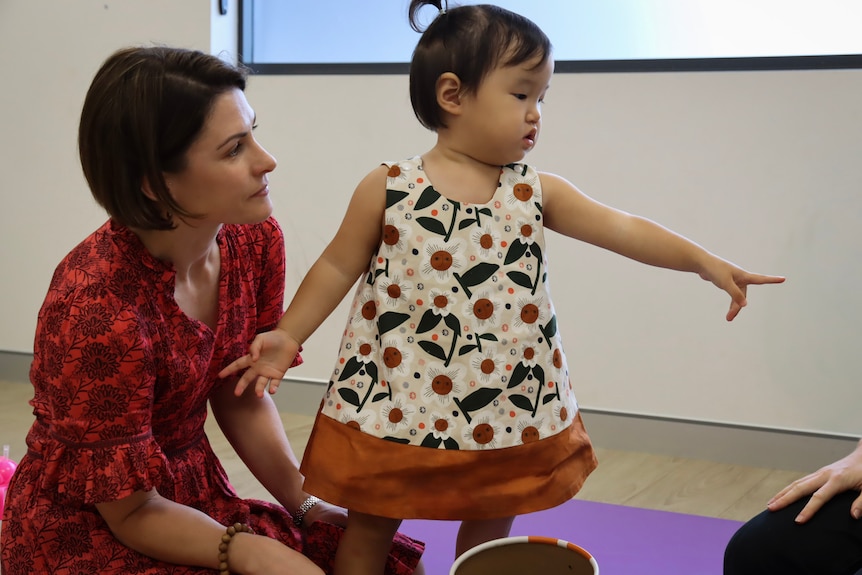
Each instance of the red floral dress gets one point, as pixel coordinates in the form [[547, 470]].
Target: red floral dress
[[121, 378]]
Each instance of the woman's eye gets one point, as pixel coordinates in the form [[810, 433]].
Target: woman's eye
[[235, 150]]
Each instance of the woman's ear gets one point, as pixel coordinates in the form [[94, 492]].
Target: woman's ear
[[449, 93], [147, 189]]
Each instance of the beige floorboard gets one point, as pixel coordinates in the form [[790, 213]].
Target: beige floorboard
[[636, 479]]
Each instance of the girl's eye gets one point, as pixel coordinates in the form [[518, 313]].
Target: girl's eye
[[520, 96]]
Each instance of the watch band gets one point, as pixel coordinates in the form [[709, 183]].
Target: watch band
[[303, 509]]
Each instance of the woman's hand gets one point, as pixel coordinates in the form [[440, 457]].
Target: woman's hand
[[843, 475], [735, 282], [269, 357]]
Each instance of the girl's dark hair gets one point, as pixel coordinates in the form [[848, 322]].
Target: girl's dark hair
[[144, 109], [470, 42]]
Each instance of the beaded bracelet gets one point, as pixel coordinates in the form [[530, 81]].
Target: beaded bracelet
[[225, 541]]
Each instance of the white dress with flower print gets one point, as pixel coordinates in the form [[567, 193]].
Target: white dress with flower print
[[452, 342]]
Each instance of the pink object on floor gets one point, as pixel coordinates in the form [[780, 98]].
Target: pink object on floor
[[7, 469]]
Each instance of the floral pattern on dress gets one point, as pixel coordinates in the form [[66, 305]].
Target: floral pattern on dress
[[452, 339], [121, 378]]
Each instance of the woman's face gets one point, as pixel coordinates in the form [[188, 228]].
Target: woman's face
[[225, 178]]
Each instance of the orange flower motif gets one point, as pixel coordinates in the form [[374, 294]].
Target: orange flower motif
[[442, 383], [397, 415], [483, 433], [441, 259]]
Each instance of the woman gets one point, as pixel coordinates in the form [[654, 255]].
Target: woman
[[138, 321], [814, 525]]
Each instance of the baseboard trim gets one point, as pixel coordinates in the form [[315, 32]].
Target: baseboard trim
[[15, 366], [713, 441]]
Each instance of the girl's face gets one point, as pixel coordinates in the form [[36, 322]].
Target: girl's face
[[504, 117], [225, 178]]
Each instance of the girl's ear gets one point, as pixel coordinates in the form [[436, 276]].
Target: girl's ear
[[449, 93]]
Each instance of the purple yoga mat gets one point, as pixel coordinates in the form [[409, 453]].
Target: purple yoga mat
[[624, 540]]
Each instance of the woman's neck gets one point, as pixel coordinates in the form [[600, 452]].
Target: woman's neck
[[186, 248]]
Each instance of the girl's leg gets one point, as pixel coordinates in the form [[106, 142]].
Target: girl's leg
[[365, 544], [473, 533]]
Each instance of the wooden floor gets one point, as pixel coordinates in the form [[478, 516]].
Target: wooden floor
[[626, 478]]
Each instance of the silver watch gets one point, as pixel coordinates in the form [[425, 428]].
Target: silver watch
[[303, 509]]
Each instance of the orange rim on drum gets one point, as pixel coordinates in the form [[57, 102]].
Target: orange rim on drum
[[526, 555]]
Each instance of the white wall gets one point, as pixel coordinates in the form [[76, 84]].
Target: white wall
[[760, 167]]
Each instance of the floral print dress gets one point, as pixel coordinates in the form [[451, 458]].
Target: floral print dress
[[121, 378], [451, 396]]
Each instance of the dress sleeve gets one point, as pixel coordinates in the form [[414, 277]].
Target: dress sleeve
[[94, 377]]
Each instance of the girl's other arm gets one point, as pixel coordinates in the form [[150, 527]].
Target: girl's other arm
[[324, 286], [572, 213]]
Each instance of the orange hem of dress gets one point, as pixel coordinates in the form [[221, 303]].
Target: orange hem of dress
[[352, 469]]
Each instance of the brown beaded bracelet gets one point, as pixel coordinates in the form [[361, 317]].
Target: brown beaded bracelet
[[225, 541]]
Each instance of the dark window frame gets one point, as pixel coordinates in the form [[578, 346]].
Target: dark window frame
[[834, 62]]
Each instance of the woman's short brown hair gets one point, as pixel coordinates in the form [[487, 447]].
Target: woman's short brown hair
[[144, 109]]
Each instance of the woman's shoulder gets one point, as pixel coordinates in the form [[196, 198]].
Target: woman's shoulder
[[110, 256]]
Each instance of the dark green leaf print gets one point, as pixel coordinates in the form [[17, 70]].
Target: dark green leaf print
[[488, 336], [550, 329], [351, 366], [431, 441], [539, 374], [467, 348], [549, 397], [397, 439], [521, 401], [521, 279], [516, 250], [371, 369], [453, 322], [432, 225], [428, 322], [390, 320], [433, 349], [479, 399], [451, 444], [428, 197], [349, 396], [520, 373], [379, 397], [394, 196], [477, 274], [536, 250]]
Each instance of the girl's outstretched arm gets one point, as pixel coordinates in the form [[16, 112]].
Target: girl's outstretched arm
[[324, 286], [570, 212]]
